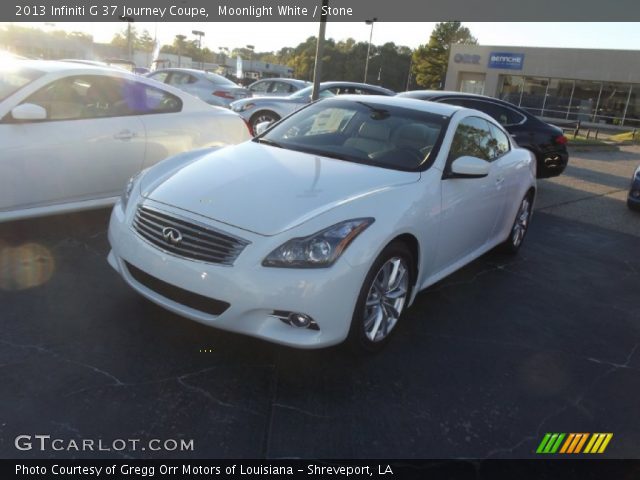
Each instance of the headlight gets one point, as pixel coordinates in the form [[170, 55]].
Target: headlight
[[243, 107], [124, 199], [319, 250]]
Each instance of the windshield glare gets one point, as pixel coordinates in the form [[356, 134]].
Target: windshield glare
[[13, 78], [362, 132]]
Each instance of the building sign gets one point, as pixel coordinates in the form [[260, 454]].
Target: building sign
[[506, 60], [466, 58]]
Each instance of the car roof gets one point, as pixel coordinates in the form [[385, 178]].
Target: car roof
[[180, 69], [52, 66], [353, 84], [283, 79], [445, 93], [412, 103]]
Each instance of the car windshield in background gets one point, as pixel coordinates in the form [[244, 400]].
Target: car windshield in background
[[13, 78], [219, 79], [362, 132]]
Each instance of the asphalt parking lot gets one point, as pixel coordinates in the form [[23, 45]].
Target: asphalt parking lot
[[485, 363]]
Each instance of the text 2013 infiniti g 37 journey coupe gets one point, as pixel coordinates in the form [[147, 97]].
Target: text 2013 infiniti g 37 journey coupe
[[326, 225]]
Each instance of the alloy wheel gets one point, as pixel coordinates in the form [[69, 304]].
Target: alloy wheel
[[386, 299]]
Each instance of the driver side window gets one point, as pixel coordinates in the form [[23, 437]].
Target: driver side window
[[99, 96], [472, 138]]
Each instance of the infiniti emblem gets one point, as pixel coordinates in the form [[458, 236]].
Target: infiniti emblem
[[171, 235]]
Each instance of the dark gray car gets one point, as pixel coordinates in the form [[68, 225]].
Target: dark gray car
[[210, 87]]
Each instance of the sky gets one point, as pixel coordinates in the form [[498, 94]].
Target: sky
[[271, 36]]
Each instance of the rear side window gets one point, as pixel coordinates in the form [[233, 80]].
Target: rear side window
[[503, 115], [260, 87], [281, 87], [160, 76], [181, 78]]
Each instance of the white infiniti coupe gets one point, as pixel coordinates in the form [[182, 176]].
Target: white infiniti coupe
[[327, 225], [72, 134]]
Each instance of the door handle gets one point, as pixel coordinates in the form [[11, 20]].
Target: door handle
[[125, 135]]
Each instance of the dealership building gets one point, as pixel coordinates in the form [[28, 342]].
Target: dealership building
[[600, 87]]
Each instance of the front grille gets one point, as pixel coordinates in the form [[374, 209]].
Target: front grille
[[177, 294], [198, 242]]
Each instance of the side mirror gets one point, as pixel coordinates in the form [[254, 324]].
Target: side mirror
[[469, 167], [29, 111], [261, 127]]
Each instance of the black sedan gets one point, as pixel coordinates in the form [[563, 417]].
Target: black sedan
[[547, 142], [633, 199]]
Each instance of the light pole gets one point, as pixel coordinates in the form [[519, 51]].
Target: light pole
[[251, 48], [409, 72], [129, 21], [366, 64], [317, 69], [199, 34], [222, 59], [180, 39]]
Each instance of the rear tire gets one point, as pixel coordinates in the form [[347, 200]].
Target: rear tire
[[383, 298]]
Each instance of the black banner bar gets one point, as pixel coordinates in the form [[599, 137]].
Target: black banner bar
[[311, 10], [322, 469]]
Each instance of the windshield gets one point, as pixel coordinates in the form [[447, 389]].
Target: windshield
[[362, 132], [13, 78], [306, 92]]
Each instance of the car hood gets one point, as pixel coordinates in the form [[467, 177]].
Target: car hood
[[268, 190]]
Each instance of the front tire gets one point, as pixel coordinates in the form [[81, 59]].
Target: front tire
[[520, 226], [263, 116], [383, 298]]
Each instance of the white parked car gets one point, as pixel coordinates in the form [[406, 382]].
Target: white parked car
[[328, 224], [71, 135]]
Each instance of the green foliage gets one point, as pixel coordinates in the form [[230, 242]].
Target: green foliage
[[430, 61], [139, 41]]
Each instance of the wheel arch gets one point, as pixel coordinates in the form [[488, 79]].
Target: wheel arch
[[411, 242]]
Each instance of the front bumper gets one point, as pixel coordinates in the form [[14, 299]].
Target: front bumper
[[252, 292]]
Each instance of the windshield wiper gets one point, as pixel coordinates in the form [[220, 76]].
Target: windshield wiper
[[266, 141]]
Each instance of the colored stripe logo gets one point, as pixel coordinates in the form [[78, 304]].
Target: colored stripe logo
[[573, 443]]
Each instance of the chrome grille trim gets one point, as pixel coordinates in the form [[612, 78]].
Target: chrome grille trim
[[200, 242]]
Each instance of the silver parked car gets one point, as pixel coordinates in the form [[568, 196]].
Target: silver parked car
[[270, 109], [277, 87], [210, 87]]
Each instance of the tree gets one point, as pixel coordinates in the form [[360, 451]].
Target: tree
[[430, 61]]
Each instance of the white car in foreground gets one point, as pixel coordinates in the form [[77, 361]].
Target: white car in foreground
[[71, 135], [328, 224]]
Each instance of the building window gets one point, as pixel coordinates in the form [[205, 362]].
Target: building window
[[632, 114], [558, 98], [534, 94], [612, 102], [472, 83], [510, 88], [584, 100]]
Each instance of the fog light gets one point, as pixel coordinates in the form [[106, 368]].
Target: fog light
[[635, 193], [300, 320], [294, 319]]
